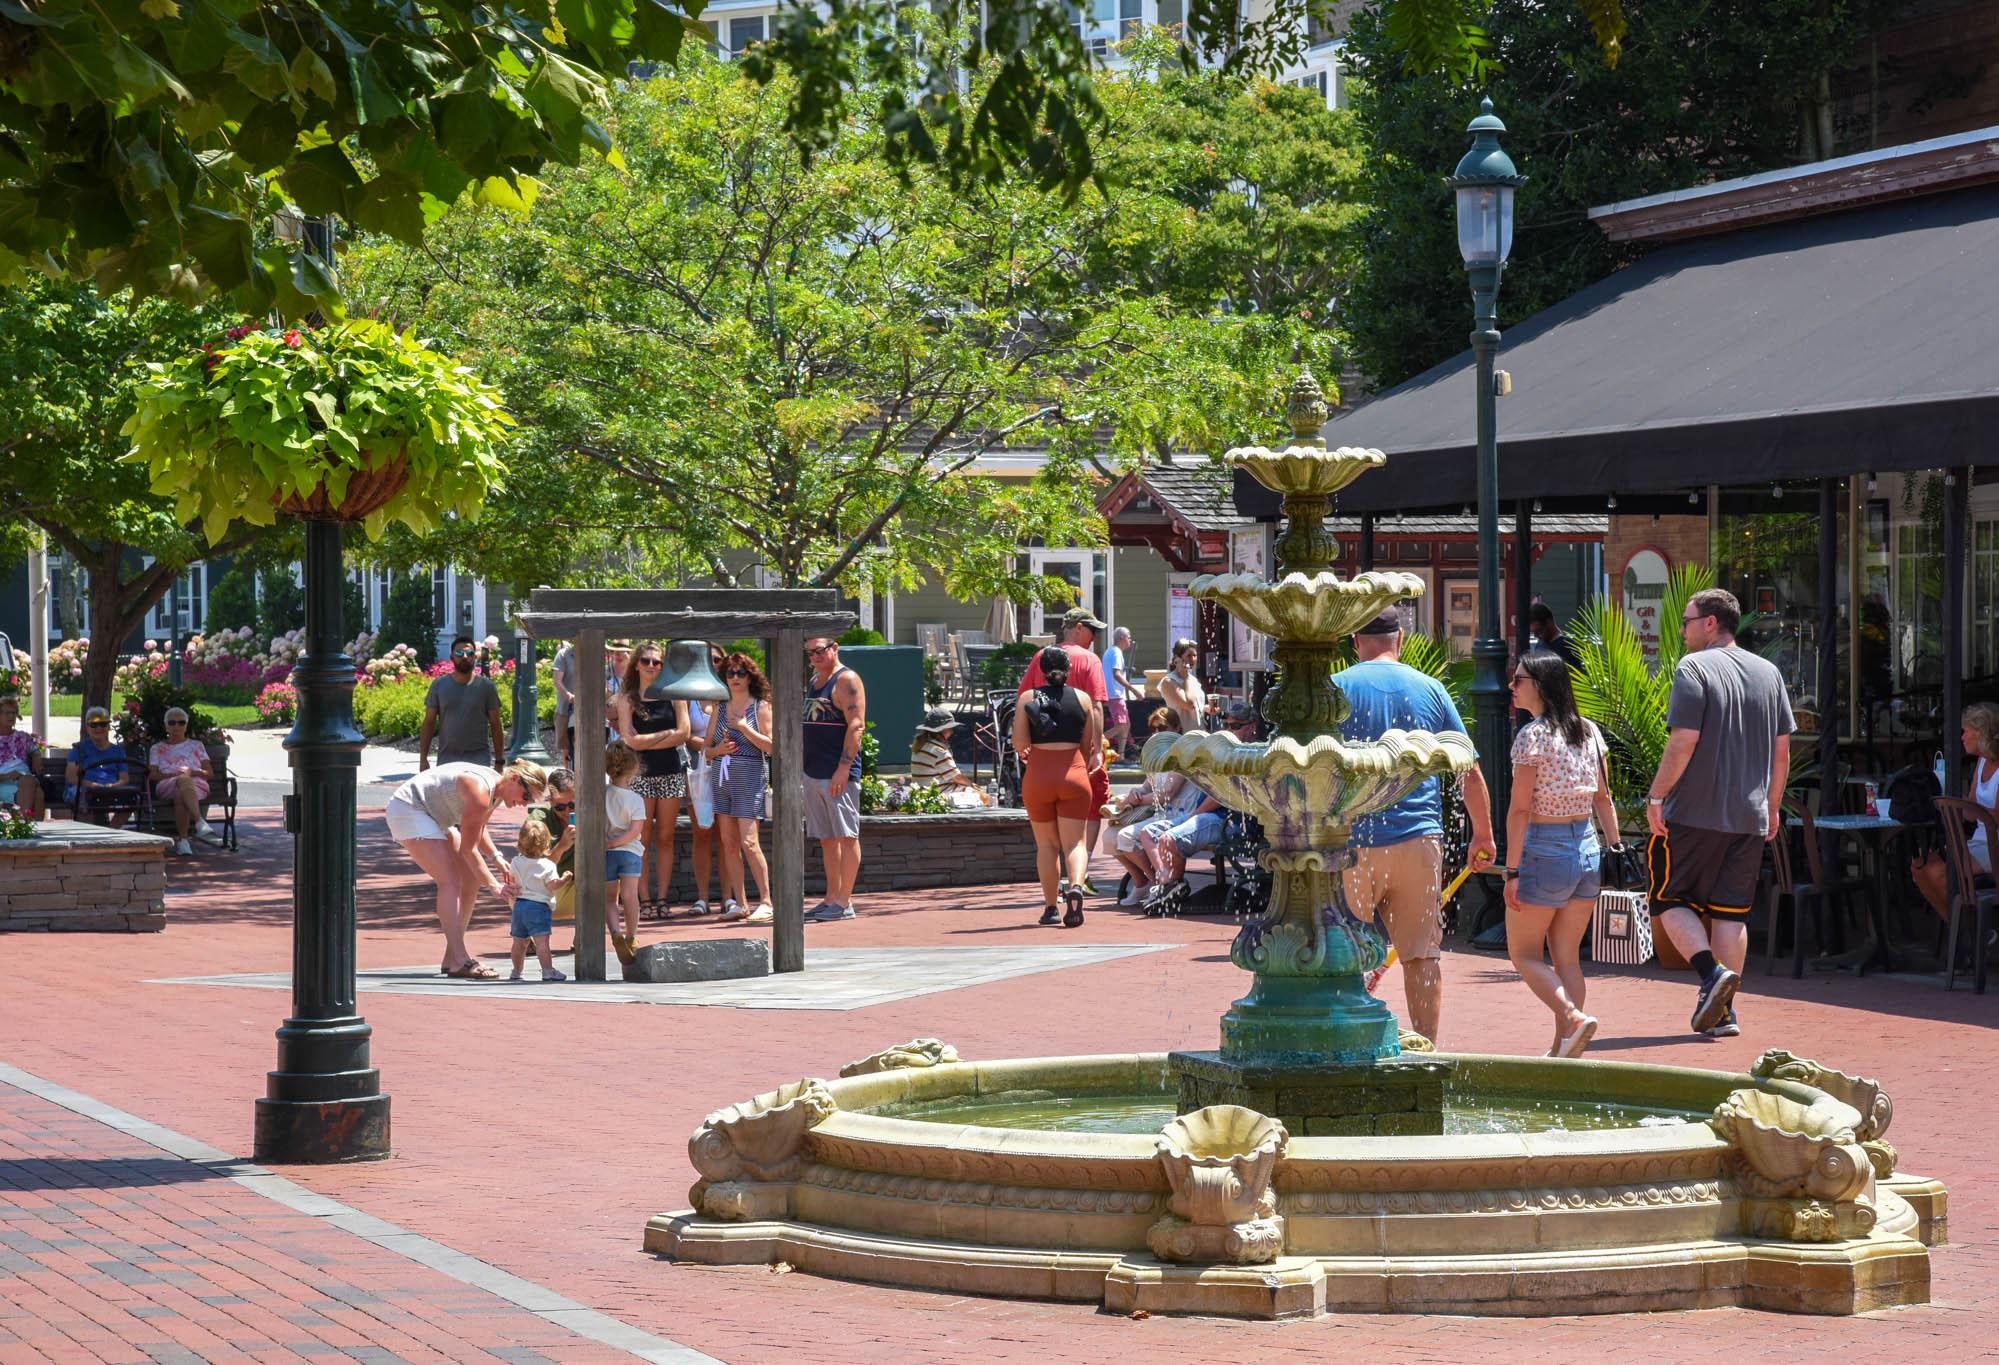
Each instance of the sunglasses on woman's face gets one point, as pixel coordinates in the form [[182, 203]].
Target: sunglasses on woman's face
[[176, 724], [649, 663], [100, 725], [562, 805], [739, 673]]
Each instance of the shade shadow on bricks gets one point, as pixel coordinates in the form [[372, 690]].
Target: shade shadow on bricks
[[108, 1173]]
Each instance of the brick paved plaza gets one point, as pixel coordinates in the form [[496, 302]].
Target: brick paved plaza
[[535, 1130]]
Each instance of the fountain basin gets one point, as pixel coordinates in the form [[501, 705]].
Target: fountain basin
[[1306, 607], [1614, 1219]]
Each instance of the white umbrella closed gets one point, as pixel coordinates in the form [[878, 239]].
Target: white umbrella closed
[[1002, 621]]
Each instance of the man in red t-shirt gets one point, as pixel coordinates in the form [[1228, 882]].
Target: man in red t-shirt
[[1080, 630]]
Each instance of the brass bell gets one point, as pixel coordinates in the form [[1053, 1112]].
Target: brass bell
[[687, 675]]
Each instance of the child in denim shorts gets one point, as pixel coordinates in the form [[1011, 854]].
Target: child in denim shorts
[[534, 907]]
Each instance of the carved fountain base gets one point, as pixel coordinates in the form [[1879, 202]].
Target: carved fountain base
[[1397, 1096], [1786, 1199]]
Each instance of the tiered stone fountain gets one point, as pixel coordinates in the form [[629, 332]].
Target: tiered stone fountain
[[1319, 1160]]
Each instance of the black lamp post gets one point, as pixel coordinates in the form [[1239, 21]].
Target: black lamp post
[[1485, 181], [527, 701]]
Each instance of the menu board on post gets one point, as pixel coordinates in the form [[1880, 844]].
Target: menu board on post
[[1645, 596], [1250, 551]]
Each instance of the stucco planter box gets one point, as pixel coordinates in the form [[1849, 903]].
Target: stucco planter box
[[910, 852], [86, 878]]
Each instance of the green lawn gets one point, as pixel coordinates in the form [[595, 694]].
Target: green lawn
[[225, 716]]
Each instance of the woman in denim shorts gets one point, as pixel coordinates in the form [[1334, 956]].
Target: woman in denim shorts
[[1559, 778]]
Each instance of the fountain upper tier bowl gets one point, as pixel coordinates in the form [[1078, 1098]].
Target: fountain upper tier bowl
[[1306, 470]]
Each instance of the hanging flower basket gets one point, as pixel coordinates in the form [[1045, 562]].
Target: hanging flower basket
[[353, 422]]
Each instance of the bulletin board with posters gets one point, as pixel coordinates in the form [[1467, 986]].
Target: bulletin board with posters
[[1251, 551]]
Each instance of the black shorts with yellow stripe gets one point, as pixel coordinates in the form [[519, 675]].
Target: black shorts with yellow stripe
[[1709, 871]]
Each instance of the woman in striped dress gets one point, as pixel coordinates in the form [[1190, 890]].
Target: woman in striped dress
[[739, 747]]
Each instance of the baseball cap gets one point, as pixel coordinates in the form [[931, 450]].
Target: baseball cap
[[1241, 713], [1080, 616], [1387, 623]]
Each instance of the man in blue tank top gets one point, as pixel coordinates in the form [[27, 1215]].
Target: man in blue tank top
[[1397, 876], [836, 719]]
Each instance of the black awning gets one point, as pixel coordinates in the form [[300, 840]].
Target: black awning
[[1865, 340]]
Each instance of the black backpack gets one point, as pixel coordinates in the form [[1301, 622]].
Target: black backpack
[[1912, 794]]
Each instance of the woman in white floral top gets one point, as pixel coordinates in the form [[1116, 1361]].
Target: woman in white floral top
[[180, 774], [1559, 777], [20, 760]]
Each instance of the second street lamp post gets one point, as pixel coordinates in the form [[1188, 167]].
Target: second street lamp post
[[527, 700], [1484, 182]]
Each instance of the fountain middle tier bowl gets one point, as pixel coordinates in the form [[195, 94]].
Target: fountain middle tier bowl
[[1310, 470], [1308, 795], [1316, 608]]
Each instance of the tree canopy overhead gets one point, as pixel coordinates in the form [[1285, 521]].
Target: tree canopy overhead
[[719, 354], [143, 143]]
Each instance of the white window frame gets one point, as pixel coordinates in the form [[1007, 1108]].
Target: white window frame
[[1087, 572]]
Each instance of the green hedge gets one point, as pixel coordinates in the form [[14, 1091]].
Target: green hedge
[[395, 710]]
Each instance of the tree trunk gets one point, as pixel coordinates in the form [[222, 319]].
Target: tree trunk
[[118, 606]]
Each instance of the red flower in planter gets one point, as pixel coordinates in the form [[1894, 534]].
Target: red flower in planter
[[292, 339]]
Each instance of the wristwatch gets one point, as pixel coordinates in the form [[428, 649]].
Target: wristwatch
[[1512, 874], [1655, 800]]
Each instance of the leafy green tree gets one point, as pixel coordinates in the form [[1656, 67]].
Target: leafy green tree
[[280, 600], [74, 362], [726, 354], [232, 599], [142, 144], [1708, 89]]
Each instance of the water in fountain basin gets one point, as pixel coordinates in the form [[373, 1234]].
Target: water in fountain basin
[[1464, 1112]]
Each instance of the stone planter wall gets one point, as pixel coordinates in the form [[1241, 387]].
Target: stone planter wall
[[907, 852], [84, 877]]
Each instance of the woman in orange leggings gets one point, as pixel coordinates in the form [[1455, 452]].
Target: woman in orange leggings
[[1060, 732]]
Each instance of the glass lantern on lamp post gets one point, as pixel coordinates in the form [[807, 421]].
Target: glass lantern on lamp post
[[1484, 183]]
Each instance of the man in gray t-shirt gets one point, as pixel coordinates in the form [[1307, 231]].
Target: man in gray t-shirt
[[462, 709], [1714, 802]]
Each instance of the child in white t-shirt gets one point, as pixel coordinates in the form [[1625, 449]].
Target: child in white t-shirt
[[624, 824], [534, 900]]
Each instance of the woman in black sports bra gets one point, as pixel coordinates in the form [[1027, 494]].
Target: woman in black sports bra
[[655, 727], [1054, 726]]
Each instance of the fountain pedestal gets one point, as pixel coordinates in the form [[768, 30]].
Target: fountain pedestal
[[1395, 1096]]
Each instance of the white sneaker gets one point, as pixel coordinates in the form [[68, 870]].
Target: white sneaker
[[182, 846]]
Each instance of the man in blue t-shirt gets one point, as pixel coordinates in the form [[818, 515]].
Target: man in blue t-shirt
[[1117, 691], [1397, 876]]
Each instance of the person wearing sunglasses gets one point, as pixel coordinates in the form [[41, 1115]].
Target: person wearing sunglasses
[[178, 769], [462, 709], [559, 814], [739, 742], [20, 760], [1561, 776], [836, 719], [97, 764], [654, 727]]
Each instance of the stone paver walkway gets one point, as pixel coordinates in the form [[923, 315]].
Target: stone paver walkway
[[538, 1138]]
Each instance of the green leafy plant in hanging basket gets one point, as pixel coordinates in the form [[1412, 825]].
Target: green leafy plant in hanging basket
[[352, 422]]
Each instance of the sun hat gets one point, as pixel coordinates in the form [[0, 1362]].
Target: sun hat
[[937, 721]]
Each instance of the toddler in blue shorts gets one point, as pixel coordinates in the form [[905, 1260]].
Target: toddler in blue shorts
[[534, 900]]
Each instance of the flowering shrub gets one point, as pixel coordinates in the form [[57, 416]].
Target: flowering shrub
[[361, 648], [901, 798], [277, 704], [276, 662], [138, 669], [16, 823], [66, 664], [221, 647], [399, 663]]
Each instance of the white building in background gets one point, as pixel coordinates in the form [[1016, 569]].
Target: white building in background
[[734, 25]]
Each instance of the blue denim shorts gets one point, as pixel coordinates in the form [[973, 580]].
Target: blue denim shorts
[[1197, 832], [622, 862], [532, 919], [1559, 863]]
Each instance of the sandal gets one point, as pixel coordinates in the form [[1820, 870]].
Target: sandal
[[472, 970]]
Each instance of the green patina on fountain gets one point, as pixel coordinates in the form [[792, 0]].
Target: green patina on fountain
[[1309, 1044]]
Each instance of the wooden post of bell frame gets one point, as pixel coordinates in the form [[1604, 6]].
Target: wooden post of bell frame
[[787, 815], [590, 805]]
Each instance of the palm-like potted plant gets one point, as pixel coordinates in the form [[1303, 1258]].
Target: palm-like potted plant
[[350, 422]]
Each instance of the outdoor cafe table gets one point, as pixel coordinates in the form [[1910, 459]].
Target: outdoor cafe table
[[1875, 831]]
